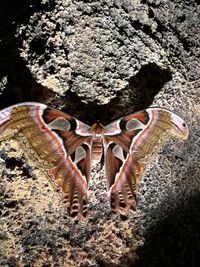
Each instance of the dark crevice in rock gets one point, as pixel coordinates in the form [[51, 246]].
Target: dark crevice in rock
[[12, 163], [38, 44], [145, 28], [11, 204], [186, 44]]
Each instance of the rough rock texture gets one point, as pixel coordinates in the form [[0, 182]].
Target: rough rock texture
[[100, 60]]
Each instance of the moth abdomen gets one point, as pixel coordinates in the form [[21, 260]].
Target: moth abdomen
[[97, 149]]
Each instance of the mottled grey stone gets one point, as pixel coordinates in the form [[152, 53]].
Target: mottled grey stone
[[100, 60]]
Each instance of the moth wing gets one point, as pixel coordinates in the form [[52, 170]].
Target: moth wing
[[129, 144], [56, 142]]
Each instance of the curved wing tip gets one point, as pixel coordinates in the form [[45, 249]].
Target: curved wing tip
[[180, 128]]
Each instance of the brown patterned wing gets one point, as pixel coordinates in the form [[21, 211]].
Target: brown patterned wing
[[56, 142], [129, 143]]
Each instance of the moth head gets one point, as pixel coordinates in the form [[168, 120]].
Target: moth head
[[97, 128]]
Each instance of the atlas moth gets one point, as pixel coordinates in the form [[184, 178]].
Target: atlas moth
[[65, 148]]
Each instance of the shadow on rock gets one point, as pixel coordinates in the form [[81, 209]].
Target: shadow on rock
[[20, 85], [138, 95], [172, 236], [175, 240]]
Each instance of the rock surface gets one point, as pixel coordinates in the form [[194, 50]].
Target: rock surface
[[100, 60]]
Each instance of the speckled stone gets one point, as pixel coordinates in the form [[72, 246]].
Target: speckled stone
[[100, 60]]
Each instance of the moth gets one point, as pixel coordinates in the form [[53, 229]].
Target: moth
[[65, 148]]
